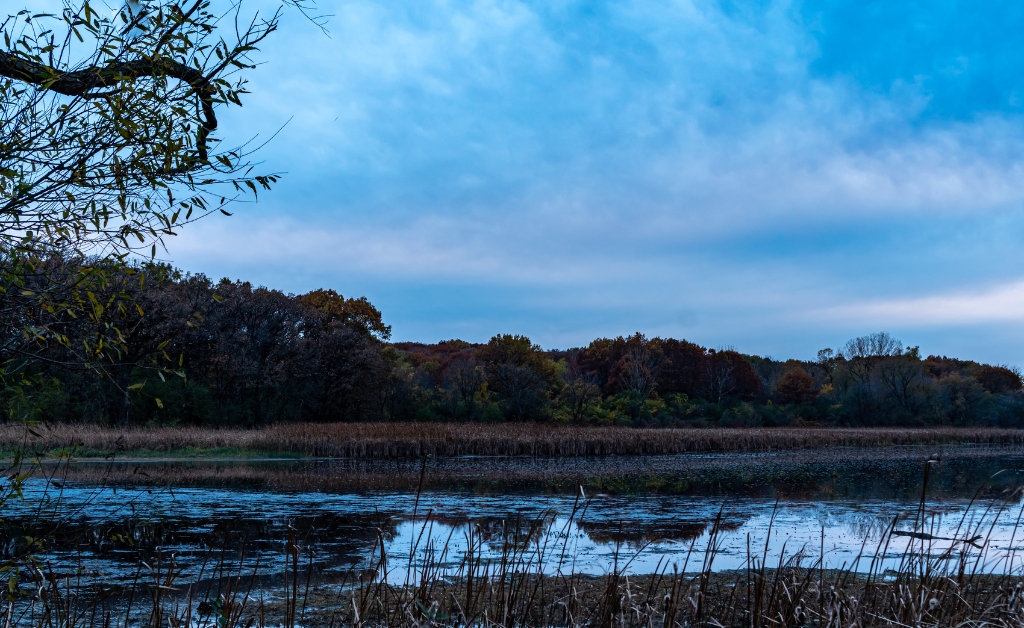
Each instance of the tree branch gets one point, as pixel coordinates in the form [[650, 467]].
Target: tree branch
[[82, 83]]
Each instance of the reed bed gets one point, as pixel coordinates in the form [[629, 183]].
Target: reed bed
[[418, 440]]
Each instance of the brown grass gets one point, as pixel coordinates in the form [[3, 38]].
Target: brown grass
[[416, 440]]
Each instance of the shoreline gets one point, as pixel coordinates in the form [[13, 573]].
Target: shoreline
[[52, 458]]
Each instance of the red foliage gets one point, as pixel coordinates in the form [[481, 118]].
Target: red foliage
[[998, 379], [682, 371], [796, 386]]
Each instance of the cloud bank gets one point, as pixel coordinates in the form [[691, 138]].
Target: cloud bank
[[746, 173]]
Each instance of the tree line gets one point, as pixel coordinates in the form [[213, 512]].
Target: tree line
[[193, 351]]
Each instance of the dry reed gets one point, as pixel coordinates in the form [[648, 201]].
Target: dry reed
[[416, 440]]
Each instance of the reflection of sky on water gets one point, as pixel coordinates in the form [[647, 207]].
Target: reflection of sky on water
[[841, 531], [647, 532]]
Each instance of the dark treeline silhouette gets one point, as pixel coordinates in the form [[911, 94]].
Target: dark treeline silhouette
[[191, 351]]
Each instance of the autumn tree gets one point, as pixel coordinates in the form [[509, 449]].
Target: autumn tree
[[796, 386], [636, 370], [682, 369], [597, 359], [729, 374], [520, 375], [998, 379], [580, 391], [357, 313]]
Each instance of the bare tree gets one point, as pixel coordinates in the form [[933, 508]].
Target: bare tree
[[877, 345], [899, 376], [637, 371], [862, 354], [828, 362], [719, 381]]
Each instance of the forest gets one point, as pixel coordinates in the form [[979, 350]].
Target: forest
[[183, 349]]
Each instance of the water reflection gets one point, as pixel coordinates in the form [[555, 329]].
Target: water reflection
[[889, 473], [830, 507], [654, 533]]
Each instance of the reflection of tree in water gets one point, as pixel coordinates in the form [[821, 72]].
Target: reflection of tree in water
[[517, 531], [330, 542], [894, 473], [639, 533], [894, 479], [873, 524]]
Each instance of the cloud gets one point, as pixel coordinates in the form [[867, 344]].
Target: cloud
[[697, 115], [689, 167], [998, 304]]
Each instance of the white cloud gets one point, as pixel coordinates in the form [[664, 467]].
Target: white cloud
[[997, 304], [616, 167]]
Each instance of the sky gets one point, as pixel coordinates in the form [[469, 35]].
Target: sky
[[776, 177]]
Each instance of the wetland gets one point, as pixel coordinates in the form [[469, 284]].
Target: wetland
[[672, 538], [649, 511]]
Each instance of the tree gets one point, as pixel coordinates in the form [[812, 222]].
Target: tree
[[580, 391], [828, 362], [899, 374], [877, 345], [729, 374], [796, 386], [634, 372], [358, 313], [683, 369], [998, 379], [519, 373], [107, 147], [859, 357], [598, 359], [461, 381]]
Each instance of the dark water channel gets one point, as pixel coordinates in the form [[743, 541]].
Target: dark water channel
[[117, 523]]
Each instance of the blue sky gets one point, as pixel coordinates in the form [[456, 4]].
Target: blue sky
[[773, 176]]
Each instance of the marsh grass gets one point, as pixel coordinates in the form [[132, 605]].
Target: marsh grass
[[417, 440]]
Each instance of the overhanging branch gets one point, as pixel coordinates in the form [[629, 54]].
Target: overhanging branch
[[86, 82]]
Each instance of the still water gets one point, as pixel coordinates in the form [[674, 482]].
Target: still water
[[109, 523]]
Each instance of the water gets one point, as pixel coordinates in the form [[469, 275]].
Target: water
[[641, 515]]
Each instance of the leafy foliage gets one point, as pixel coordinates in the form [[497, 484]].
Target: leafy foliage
[[108, 146], [199, 352]]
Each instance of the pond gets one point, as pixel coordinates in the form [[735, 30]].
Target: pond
[[114, 523]]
